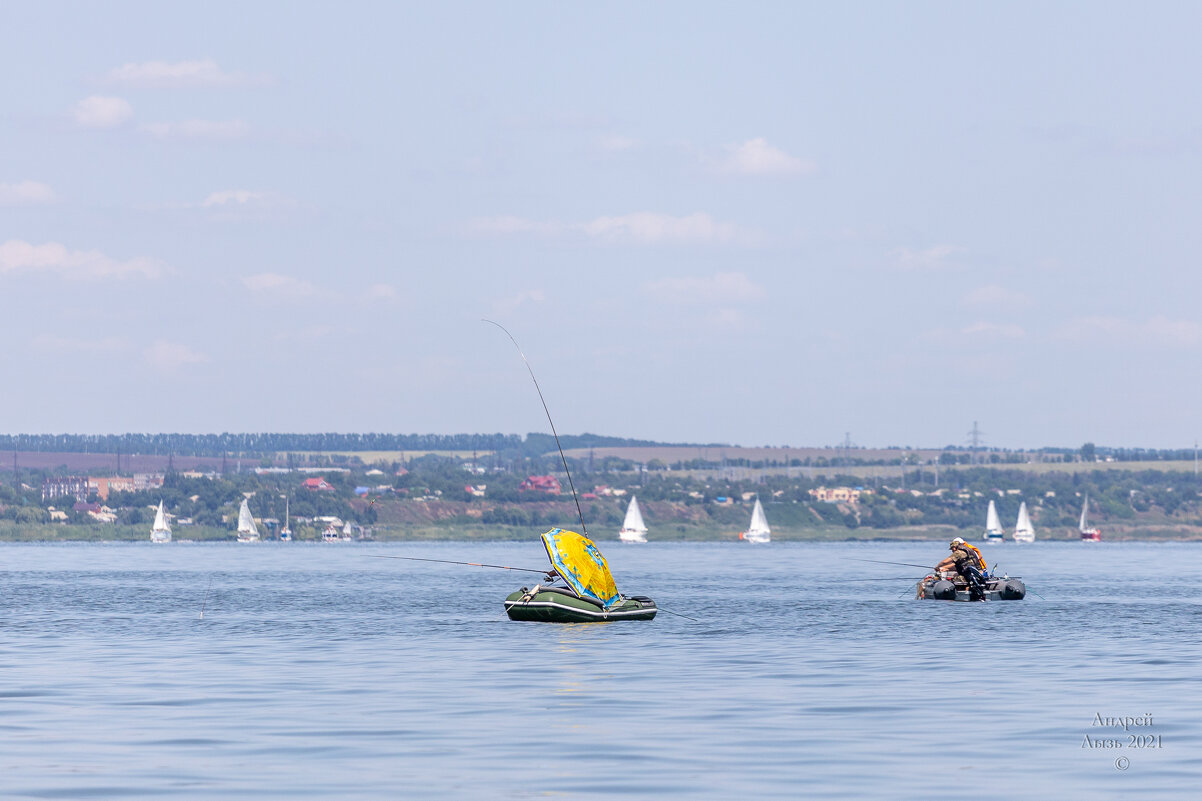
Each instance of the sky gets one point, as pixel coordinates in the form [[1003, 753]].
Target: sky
[[758, 224]]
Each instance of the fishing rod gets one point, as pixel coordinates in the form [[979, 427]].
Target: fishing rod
[[571, 484], [451, 562], [903, 564]]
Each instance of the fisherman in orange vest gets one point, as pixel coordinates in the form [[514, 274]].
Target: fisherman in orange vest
[[966, 560]]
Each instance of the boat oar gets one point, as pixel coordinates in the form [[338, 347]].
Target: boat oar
[[450, 562]]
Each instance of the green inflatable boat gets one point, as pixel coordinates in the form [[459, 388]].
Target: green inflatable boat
[[562, 605], [588, 595]]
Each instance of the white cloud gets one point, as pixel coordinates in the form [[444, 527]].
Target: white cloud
[[199, 129], [995, 330], [238, 197], [757, 157], [648, 227], [381, 292], [180, 74], [507, 306], [17, 256], [168, 357], [640, 228], [1159, 331], [25, 193], [718, 288], [279, 285], [614, 143], [102, 112], [936, 257], [994, 295]]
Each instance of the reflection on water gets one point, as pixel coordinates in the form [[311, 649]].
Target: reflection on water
[[318, 672]]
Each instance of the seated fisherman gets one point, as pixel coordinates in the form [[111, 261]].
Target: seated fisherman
[[966, 560]]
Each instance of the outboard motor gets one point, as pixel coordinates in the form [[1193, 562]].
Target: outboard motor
[[1012, 590], [942, 590]]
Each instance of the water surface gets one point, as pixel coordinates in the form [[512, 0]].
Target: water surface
[[317, 671]]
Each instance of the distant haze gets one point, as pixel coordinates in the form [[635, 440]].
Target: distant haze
[[778, 224]]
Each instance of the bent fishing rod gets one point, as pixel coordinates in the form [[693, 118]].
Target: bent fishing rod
[[564, 459]]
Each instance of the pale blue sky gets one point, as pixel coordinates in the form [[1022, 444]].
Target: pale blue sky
[[759, 224]]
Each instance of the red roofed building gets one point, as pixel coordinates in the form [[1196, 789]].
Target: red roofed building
[[317, 484], [547, 484]]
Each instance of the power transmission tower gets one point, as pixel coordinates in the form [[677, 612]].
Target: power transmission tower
[[975, 438]]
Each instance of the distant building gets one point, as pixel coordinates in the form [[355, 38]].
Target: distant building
[[547, 484], [836, 495], [476, 490], [65, 487], [317, 484], [103, 486], [148, 481], [101, 514]]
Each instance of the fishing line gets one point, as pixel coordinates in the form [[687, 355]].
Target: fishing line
[[583, 530], [206, 598], [670, 612], [449, 562]]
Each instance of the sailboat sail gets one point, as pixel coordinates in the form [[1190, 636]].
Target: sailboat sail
[[246, 525], [633, 528], [162, 529], [1023, 530], [993, 524], [758, 531], [1087, 534], [286, 531]]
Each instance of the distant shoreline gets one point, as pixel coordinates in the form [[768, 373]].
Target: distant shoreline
[[52, 533]]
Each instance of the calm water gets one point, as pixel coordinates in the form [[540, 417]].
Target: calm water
[[318, 672]]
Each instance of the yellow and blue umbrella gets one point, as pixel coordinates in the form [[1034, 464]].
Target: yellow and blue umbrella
[[581, 565]]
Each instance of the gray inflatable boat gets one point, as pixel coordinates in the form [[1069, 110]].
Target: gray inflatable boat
[[997, 588]]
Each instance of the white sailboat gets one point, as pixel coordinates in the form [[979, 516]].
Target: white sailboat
[[1087, 534], [286, 532], [758, 531], [246, 525], [1023, 530], [633, 529], [162, 529], [993, 526]]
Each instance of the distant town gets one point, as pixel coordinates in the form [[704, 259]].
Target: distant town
[[504, 485]]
